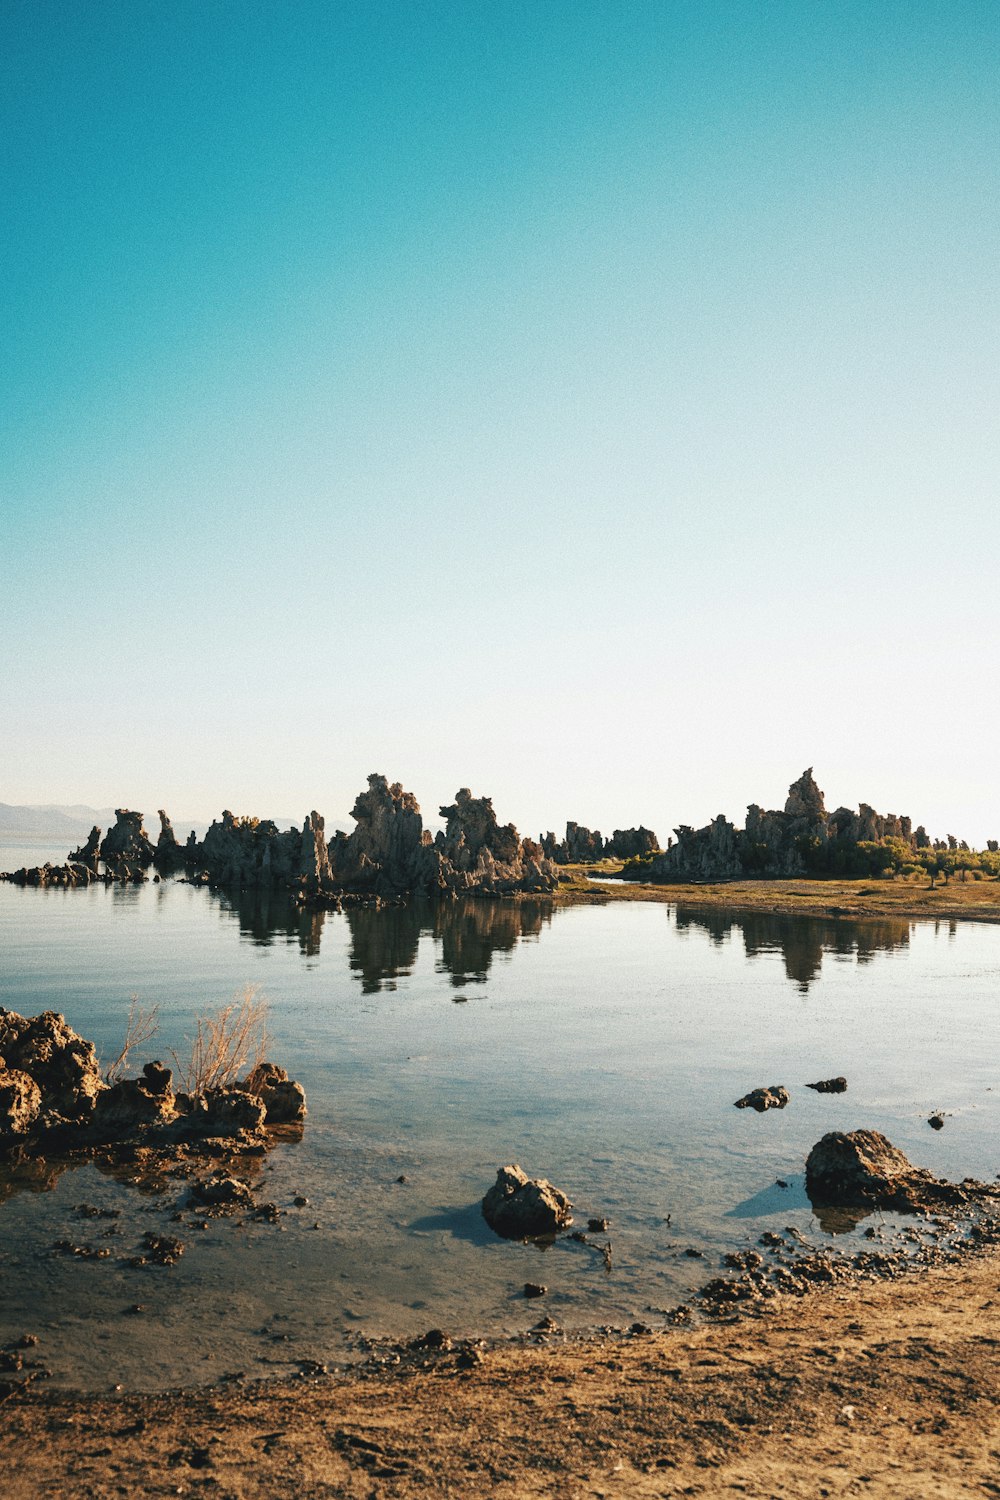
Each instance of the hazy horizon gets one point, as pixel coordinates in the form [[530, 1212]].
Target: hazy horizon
[[595, 405]]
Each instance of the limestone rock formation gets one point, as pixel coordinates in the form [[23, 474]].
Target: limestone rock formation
[[20, 1104], [284, 1100], [63, 1065], [89, 853], [518, 1207], [247, 852], [863, 1169], [169, 854], [801, 839], [128, 843], [52, 1095], [631, 843]]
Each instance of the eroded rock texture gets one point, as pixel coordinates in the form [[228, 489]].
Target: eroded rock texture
[[801, 839], [89, 853], [128, 843], [52, 1093], [518, 1207], [862, 1169]]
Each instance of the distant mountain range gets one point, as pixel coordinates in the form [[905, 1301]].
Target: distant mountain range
[[73, 821]]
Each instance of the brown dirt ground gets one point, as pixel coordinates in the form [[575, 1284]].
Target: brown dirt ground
[[969, 900], [884, 1390]]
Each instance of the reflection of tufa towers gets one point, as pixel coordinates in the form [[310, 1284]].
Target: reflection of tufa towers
[[384, 943], [802, 941]]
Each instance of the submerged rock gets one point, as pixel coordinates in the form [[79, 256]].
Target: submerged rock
[[863, 1169], [519, 1208], [775, 1097]]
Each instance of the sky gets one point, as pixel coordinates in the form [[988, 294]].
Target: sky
[[594, 404]]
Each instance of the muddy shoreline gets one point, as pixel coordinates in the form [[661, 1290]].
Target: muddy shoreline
[[887, 1389], [971, 901]]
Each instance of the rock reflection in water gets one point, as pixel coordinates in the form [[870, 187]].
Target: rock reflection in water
[[802, 941], [267, 914], [384, 943]]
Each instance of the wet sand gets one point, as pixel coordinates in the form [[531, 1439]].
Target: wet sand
[[886, 1390]]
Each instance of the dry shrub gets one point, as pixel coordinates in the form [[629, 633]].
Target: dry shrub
[[141, 1027], [227, 1043]]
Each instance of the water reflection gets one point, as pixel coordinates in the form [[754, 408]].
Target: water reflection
[[384, 943], [469, 931], [802, 941], [265, 915]]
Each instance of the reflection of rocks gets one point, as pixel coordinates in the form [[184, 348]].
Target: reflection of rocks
[[864, 1170], [470, 930], [384, 943], [802, 941], [519, 1208], [265, 913]]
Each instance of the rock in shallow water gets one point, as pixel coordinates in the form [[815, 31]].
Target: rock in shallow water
[[520, 1208], [775, 1097], [863, 1169]]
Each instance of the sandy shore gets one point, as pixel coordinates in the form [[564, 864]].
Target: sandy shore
[[879, 1390], [968, 901]]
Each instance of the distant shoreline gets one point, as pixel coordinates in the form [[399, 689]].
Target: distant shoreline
[[956, 900]]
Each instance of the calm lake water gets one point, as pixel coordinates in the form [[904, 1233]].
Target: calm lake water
[[600, 1046]]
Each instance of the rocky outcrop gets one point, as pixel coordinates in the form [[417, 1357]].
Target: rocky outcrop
[[66, 876], [128, 843], [861, 1169], [169, 853], [581, 846], [89, 853], [801, 839], [775, 1097], [284, 1100], [247, 852], [520, 1208], [63, 1065], [391, 853], [631, 843], [52, 1095]]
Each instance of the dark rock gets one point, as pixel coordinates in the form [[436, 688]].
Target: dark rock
[[518, 1207], [863, 1169], [130, 1106], [598, 1226], [775, 1097], [20, 1104], [89, 853], [829, 1086], [62, 1064], [284, 1100], [534, 1289], [936, 1122], [127, 843], [222, 1192]]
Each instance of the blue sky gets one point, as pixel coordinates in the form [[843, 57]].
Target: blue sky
[[594, 404]]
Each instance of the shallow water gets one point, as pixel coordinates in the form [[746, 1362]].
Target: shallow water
[[600, 1046]]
